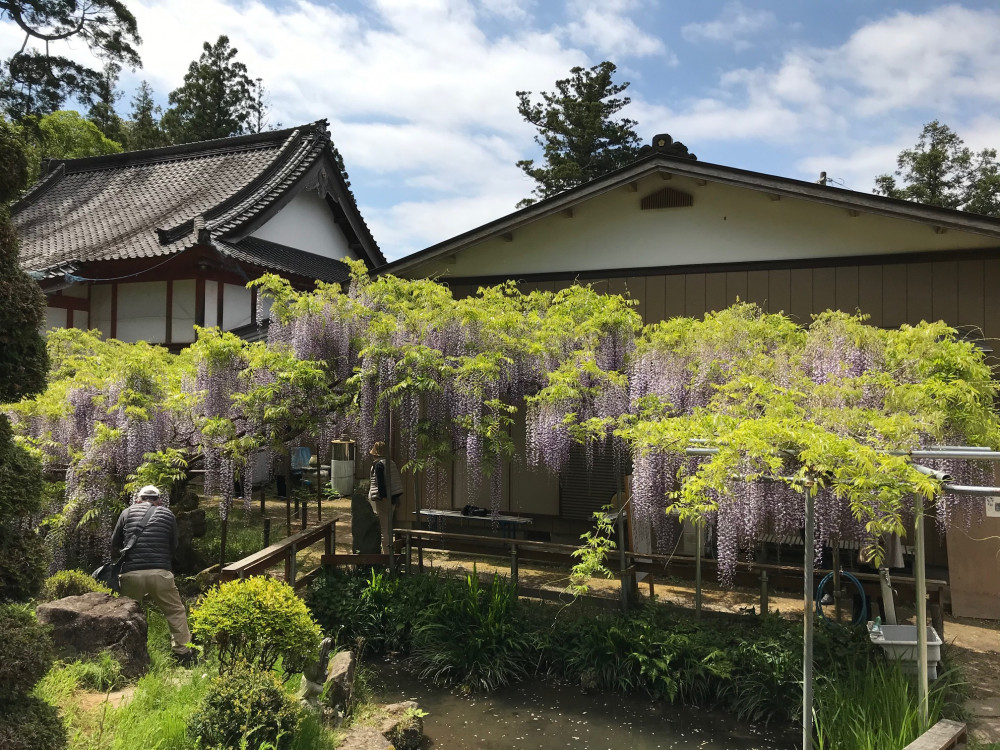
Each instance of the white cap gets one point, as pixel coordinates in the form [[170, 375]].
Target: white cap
[[149, 491]]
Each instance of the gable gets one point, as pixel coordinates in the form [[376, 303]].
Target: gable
[[307, 223], [724, 224]]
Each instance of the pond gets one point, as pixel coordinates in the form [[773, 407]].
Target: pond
[[546, 716]]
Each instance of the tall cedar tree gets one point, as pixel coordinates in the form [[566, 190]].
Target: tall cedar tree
[[942, 171], [23, 370], [217, 99], [577, 131], [143, 127], [102, 109], [35, 81]]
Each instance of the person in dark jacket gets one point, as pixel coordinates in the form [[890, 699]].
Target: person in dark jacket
[[146, 568], [385, 489]]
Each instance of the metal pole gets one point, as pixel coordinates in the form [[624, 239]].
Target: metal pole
[[808, 617], [921, 584], [699, 543]]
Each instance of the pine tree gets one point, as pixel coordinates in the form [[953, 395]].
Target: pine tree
[[940, 170], [143, 127], [102, 109], [577, 131], [216, 99]]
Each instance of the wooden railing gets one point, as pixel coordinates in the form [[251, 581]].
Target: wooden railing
[[945, 735], [286, 550]]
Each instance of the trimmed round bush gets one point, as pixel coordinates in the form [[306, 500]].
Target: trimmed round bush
[[31, 724], [245, 704], [70, 583], [256, 621], [26, 652]]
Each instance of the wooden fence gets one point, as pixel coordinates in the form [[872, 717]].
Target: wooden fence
[[286, 551]]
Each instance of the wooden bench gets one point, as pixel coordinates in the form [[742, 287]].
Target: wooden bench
[[945, 735], [285, 550], [507, 524]]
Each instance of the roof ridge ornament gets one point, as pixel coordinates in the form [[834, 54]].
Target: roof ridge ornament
[[664, 144]]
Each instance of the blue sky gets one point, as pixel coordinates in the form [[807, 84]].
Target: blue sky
[[420, 93]]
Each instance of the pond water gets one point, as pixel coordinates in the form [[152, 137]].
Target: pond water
[[546, 716]]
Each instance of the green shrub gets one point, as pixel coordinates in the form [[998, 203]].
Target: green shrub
[[23, 560], [256, 621], [248, 705], [26, 652], [70, 583], [31, 724], [473, 637]]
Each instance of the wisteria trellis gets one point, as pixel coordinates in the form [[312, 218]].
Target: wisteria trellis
[[783, 404]]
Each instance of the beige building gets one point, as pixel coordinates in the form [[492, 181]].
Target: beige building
[[684, 237]]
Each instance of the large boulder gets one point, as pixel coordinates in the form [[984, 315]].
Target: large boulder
[[403, 725], [94, 622], [339, 685]]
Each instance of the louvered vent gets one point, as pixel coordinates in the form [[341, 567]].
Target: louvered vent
[[667, 198]]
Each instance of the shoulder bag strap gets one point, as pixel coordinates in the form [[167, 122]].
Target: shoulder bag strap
[[142, 527]]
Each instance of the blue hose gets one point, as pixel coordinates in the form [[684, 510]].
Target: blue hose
[[862, 615]]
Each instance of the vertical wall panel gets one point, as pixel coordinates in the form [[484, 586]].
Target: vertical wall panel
[[715, 292], [970, 293], [824, 289], [800, 305], [616, 285], [674, 297], [757, 288], [847, 289], [655, 302], [211, 304], [694, 295], [736, 287], [870, 293], [893, 295], [991, 298], [919, 281], [779, 290], [637, 290], [944, 288]]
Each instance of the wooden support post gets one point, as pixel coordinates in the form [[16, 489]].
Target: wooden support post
[[330, 540], [305, 514], [514, 572], [297, 511], [263, 499], [288, 516], [291, 566], [223, 538], [919, 572], [319, 510], [652, 591], [267, 532], [699, 542], [764, 604], [808, 618], [409, 552], [622, 560]]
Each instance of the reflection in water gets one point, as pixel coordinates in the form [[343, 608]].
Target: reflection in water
[[547, 716]]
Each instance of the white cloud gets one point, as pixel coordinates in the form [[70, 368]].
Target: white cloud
[[605, 26], [735, 23]]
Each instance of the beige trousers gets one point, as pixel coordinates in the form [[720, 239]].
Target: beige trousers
[[384, 510], [160, 586]]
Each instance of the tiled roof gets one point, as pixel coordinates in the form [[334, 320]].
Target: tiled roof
[[282, 258], [145, 204]]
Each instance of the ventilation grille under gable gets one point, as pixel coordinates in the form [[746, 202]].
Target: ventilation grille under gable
[[667, 198]]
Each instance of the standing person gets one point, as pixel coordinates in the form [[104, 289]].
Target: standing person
[[146, 567], [384, 492]]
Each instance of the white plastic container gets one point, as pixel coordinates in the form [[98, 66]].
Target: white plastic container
[[900, 642], [342, 466]]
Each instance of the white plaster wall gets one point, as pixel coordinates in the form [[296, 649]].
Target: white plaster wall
[[211, 304], [81, 319], [142, 311], [55, 317], [182, 312], [236, 307], [306, 223], [80, 291], [100, 308], [725, 225]]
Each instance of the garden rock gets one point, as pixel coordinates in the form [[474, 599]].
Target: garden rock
[[365, 738], [94, 622], [339, 685], [403, 726], [188, 501]]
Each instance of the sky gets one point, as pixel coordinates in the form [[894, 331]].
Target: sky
[[420, 94]]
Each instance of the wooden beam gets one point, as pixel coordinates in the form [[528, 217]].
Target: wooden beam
[[220, 306], [199, 302], [65, 302]]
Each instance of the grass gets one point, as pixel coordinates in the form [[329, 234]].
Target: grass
[[244, 537]]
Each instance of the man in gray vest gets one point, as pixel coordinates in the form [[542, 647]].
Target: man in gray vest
[[146, 568], [385, 489]]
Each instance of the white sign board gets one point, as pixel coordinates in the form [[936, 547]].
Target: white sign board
[[993, 507]]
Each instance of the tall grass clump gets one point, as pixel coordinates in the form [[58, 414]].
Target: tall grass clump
[[473, 637], [873, 709]]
